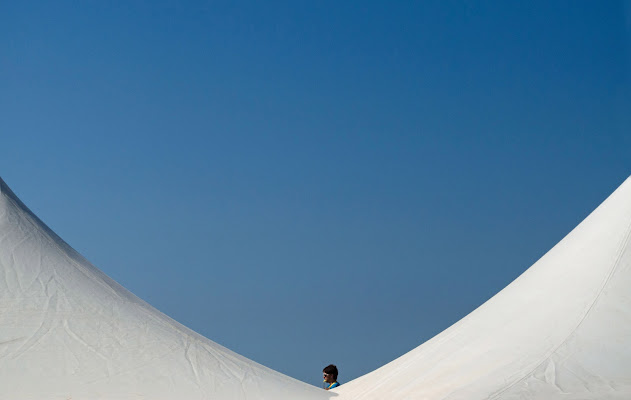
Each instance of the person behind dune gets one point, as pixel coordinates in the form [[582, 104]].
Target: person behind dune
[[330, 377]]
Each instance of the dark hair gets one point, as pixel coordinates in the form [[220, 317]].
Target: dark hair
[[330, 370]]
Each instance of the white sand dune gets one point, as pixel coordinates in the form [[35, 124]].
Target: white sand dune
[[67, 331], [562, 330]]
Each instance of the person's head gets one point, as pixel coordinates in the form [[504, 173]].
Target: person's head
[[330, 373]]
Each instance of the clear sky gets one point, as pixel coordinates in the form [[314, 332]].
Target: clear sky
[[315, 182]]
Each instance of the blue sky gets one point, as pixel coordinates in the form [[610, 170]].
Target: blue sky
[[315, 182]]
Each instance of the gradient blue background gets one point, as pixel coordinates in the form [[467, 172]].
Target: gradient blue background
[[315, 182]]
